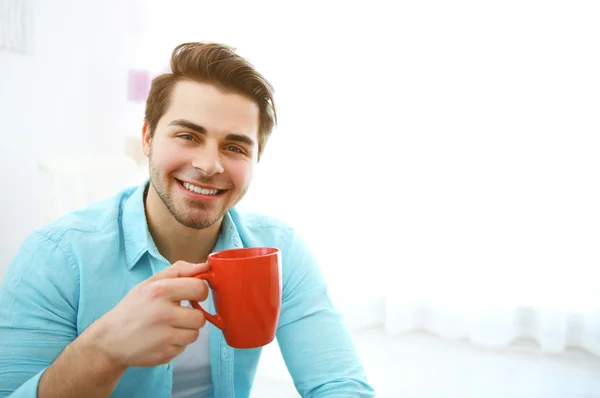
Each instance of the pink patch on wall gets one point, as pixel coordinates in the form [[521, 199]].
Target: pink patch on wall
[[138, 85]]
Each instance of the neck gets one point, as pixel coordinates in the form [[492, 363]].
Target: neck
[[174, 241]]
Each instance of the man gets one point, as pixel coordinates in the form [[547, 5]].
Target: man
[[91, 305]]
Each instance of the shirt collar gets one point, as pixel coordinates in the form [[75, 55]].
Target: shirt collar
[[136, 234]]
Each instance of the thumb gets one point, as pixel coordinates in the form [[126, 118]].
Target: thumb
[[180, 269]]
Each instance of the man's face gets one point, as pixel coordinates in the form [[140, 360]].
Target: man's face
[[203, 152]]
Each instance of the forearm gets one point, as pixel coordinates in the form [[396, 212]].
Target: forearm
[[80, 371]]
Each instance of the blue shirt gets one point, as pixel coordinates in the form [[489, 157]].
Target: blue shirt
[[68, 274]]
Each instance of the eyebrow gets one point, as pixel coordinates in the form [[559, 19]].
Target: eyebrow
[[201, 130]]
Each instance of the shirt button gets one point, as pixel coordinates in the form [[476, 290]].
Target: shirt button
[[224, 353], [167, 365]]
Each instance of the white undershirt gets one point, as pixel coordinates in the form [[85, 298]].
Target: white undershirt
[[191, 369]]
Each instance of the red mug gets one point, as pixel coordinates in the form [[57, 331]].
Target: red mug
[[246, 288]]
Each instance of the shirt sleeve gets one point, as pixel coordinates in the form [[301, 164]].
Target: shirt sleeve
[[38, 314], [315, 344]]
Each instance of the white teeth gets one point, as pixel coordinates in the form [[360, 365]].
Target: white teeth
[[199, 190]]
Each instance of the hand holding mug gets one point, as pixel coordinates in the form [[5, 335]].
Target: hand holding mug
[[148, 326]]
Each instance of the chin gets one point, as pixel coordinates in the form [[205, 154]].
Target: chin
[[200, 220]]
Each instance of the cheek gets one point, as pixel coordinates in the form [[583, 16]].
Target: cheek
[[168, 158], [240, 173]]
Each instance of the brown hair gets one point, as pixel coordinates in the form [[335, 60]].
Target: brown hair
[[219, 65]]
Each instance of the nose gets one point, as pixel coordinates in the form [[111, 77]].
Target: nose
[[208, 159]]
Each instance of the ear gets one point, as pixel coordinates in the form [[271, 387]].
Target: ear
[[146, 139]]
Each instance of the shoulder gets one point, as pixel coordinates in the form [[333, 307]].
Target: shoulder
[[55, 253], [94, 220], [246, 219], [256, 229]]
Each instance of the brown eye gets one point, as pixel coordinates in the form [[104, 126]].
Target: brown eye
[[235, 149]]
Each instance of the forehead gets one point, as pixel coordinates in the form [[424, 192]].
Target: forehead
[[209, 107]]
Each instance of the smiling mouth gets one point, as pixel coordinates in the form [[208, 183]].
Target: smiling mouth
[[200, 190]]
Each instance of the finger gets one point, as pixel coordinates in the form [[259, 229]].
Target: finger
[[178, 289], [183, 337], [187, 318], [165, 354], [180, 269]]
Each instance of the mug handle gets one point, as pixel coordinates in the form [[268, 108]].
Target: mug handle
[[216, 318]]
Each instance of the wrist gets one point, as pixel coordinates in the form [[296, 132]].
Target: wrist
[[90, 348]]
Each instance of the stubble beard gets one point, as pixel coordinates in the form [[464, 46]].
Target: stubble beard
[[205, 219]]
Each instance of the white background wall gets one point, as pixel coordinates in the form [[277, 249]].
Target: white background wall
[[68, 94]]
